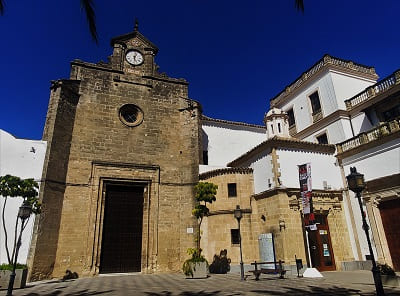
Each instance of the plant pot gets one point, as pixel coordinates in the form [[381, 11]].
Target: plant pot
[[391, 280], [199, 270], [20, 278]]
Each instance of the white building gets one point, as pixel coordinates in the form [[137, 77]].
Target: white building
[[334, 102], [24, 159]]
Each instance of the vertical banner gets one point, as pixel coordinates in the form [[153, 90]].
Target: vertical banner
[[306, 195]]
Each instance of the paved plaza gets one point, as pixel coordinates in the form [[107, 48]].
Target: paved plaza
[[333, 283]]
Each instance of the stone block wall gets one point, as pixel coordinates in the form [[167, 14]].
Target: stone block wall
[[90, 145]]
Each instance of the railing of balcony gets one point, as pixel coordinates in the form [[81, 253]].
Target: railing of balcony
[[374, 90], [369, 136]]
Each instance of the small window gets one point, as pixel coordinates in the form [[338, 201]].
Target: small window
[[322, 139], [272, 128], [232, 190], [205, 157], [131, 115], [315, 103], [235, 236], [279, 127], [290, 113]]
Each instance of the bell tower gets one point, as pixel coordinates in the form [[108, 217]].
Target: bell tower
[[277, 123], [133, 53]]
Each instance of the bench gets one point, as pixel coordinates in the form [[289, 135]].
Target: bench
[[277, 270]]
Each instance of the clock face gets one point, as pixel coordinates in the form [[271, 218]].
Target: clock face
[[134, 57]]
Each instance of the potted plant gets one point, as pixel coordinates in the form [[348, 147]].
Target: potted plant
[[388, 275], [21, 274], [196, 266]]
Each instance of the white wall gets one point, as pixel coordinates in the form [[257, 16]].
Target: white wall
[[361, 123], [226, 142], [301, 103], [374, 163], [337, 132], [323, 168], [333, 88], [262, 171], [17, 158], [347, 86]]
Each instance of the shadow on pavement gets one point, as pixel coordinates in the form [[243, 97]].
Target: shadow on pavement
[[77, 293], [331, 291], [201, 293]]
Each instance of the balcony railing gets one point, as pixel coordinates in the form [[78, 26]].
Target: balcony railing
[[292, 130], [374, 90], [369, 136]]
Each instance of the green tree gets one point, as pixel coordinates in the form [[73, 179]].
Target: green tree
[[11, 187], [204, 193]]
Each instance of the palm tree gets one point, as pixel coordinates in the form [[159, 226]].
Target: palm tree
[[299, 4], [88, 7]]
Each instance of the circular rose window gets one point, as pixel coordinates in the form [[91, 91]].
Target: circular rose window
[[131, 115]]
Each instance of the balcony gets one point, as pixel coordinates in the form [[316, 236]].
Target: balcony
[[374, 90], [371, 136]]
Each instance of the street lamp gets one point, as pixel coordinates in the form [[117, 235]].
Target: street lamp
[[356, 184], [237, 213], [24, 212]]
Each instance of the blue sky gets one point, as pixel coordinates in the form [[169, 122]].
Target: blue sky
[[236, 55]]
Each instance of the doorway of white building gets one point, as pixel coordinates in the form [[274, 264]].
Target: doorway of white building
[[320, 245], [390, 213]]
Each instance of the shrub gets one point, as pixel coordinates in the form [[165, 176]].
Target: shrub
[[6, 266]]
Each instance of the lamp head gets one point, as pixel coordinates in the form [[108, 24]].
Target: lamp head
[[25, 210], [355, 181], [237, 213]]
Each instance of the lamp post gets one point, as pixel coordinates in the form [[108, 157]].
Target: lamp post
[[356, 184], [24, 212], [237, 213]]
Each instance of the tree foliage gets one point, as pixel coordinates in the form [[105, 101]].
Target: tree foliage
[[12, 187], [204, 193], [87, 6]]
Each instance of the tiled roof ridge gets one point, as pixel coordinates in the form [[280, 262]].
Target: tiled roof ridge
[[232, 170], [290, 143], [206, 118]]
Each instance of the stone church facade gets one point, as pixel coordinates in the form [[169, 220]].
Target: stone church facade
[[126, 146], [120, 168]]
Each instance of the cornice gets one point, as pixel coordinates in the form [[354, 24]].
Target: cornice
[[228, 212], [131, 35], [317, 193], [224, 171], [278, 142], [383, 183], [330, 63]]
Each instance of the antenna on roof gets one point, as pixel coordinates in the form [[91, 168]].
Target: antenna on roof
[[136, 25]]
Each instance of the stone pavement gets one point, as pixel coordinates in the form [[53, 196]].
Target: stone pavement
[[333, 283]]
